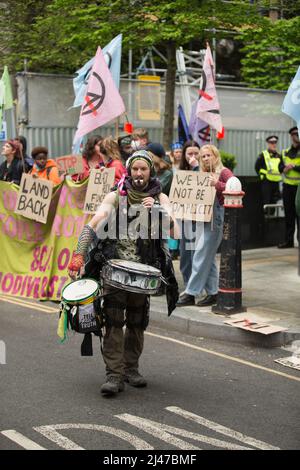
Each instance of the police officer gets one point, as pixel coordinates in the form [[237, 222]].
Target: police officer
[[267, 167], [290, 167]]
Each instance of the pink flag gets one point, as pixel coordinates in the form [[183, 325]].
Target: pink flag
[[208, 107], [198, 129], [102, 102]]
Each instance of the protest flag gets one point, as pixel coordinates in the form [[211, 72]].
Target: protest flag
[[183, 130], [112, 55], [102, 102], [291, 102], [7, 98], [208, 107], [198, 129]]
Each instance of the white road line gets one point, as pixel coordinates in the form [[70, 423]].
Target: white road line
[[62, 441], [221, 429], [23, 441], [166, 433], [224, 356]]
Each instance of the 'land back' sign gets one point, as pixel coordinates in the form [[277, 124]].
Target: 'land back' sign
[[100, 183], [191, 196], [34, 198]]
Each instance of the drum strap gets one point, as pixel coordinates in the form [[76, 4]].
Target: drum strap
[[87, 345]]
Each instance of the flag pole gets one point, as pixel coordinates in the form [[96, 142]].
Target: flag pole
[[117, 123]]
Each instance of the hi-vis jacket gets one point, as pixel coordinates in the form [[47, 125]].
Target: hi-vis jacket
[[292, 177], [271, 172]]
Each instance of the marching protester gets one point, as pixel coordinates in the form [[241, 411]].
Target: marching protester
[[121, 351], [267, 167], [162, 165], [44, 167], [91, 157], [124, 142], [175, 155], [204, 275], [111, 158], [189, 162], [140, 139], [23, 150], [12, 168], [290, 167]]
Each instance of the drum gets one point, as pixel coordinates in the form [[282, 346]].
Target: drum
[[80, 292], [131, 276]]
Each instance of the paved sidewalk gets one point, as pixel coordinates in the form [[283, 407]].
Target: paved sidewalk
[[271, 290]]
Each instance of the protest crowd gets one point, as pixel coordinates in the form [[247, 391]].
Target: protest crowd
[[158, 195]]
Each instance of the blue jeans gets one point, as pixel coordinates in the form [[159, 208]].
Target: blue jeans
[[204, 275]]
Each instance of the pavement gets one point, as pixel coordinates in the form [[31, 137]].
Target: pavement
[[271, 292]]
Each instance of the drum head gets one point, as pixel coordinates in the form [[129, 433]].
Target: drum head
[[134, 267], [79, 290]]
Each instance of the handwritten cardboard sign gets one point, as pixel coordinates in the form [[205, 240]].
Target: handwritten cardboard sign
[[191, 196], [34, 198], [70, 164], [100, 183]]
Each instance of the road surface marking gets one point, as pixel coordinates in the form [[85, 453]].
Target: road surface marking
[[165, 433], [23, 441], [62, 441], [221, 429], [182, 343], [30, 305], [224, 356]]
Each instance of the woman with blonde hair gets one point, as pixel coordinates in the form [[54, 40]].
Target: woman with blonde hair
[[204, 274], [111, 157]]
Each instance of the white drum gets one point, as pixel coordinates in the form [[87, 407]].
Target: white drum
[[80, 292], [131, 276]]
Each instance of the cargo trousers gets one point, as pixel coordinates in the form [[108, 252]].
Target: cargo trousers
[[122, 349]]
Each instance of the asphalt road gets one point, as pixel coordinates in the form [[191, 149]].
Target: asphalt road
[[202, 394]]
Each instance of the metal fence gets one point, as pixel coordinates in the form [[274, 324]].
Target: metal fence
[[244, 144]]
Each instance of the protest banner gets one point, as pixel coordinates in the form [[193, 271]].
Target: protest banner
[[191, 196], [70, 164], [35, 256], [100, 183], [34, 198]]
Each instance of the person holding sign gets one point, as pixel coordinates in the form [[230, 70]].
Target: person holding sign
[[140, 191], [189, 161], [91, 158], [44, 167], [111, 158], [204, 275]]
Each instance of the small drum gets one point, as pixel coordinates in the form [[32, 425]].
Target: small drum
[[131, 276], [77, 301], [80, 292]]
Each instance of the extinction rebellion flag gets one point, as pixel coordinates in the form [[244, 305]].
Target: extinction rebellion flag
[[208, 107], [102, 102]]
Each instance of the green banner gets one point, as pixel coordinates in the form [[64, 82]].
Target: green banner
[[35, 256]]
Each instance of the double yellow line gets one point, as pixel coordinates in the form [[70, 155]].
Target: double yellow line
[[26, 303]]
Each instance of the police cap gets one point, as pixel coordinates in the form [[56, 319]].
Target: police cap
[[293, 129], [273, 139]]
